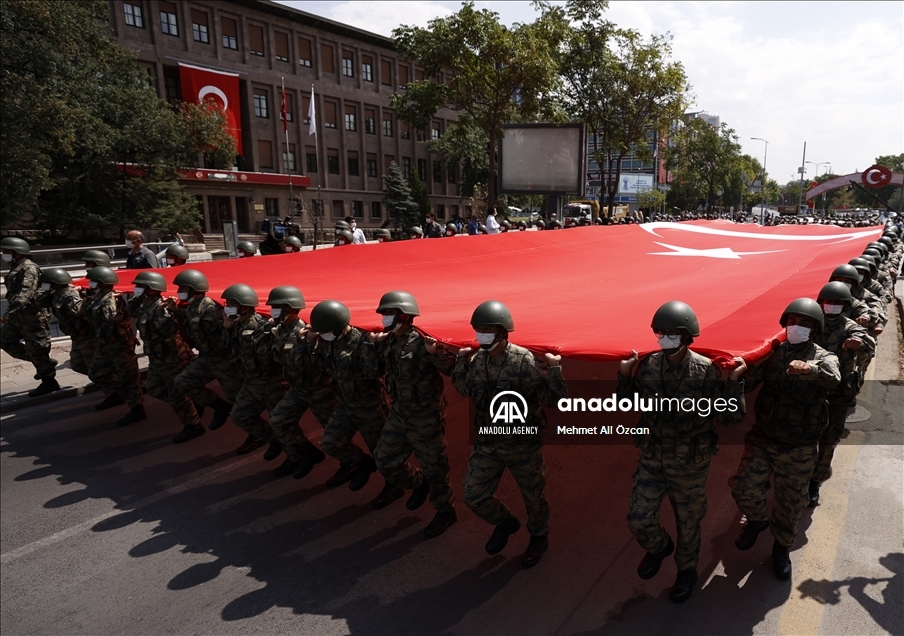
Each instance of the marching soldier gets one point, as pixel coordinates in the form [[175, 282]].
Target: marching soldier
[[501, 366], [66, 302], [674, 458], [245, 249], [95, 258], [176, 255]]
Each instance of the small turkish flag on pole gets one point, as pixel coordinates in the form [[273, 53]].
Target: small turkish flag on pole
[[285, 120]]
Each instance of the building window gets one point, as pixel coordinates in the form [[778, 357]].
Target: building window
[[437, 172], [353, 164], [367, 68], [133, 15], [332, 161], [387, 125], [305, 107], [386, 72], [350, 118], [326, 58], [454, 210], [289, 109], [348, 68], [329, 114], [282, 46], [230, 33], [434, 132], [403, 76], [420, 135], [265, 153], [311, 162], [370, 125], [338, 209], [405, 130], [358, 209], [289, 159], [452, 175], [172, 87], [418, 75], [304, 52], [406, 167], [260, 104], [168, 23], [199, 30], [371, 165], [256, 40], [376, 211], [387, 161], [440, 211], [422, 169], [271, 206]]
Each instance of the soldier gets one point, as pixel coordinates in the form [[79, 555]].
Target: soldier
[[383, 235], [417, 420], [451, 229], [309, 385], [292, 244], [858, 310], [416, 232], [791, 414], [674, 458], [344, 237], [114, 367], [26, 326], [245, 249], [202, 322], [362, 401], [501, 366], [168, 353], [853, 346], [66, 302], [176, 255], [264, 385], [94, 258]]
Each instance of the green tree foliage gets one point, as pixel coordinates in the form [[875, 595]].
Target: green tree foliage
[[650, 200], [402, 209], [495, 75], [702, 160], [890, 194], [419, 195]]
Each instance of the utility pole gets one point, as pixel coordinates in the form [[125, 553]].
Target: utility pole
[[801, 170]]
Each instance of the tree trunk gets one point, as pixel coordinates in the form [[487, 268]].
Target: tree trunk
[[491, 175]]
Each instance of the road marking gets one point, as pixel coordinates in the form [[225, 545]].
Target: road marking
[[719, 570]]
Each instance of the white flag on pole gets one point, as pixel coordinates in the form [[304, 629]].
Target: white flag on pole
[[312, 115]]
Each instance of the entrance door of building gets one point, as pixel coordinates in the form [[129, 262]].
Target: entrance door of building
[[218, 210]]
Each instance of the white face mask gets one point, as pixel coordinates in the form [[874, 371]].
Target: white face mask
[[275, 312], [797, 334], [380, 239], [182, 295], [669, 342], [45, 286], [289, 249], [832, 310], [859, 277], [329, 336], [848, 285], [8, 258], [139, 291], [171, 261], [231, 311], [93, 284], [485, 340], [353, 226], [130, 243]]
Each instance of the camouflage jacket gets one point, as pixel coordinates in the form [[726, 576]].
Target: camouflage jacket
[[694, 382], [202, 320], [66, 304], [109, 319], [878, 316], [413, 378], [355, 383], [858, 309], [23, 285], [251, 341], [792, 409], [481, 377], [876, 289], [851, 362], [159, 331], [303, 369]]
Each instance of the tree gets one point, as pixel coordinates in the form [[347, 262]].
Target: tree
[[703, 159], [650, 200], [494, 74], [403, 211], [419, 195]]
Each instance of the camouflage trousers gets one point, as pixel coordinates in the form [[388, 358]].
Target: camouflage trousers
[[423, 434], [115, 370], [284, 418], [685, 486], [790, 468], [342, 426], [829, 441], [485, 467], [202, 371], [26, 336], [161, 384], [255, 397], [81, 355]]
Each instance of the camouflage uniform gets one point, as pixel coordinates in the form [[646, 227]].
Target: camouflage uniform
[[26, 320], [481, 377], [674, 458], [66, 304], [791, 415], [168, 355], [264, 385], [202, 322], [362, 401], [417, 417], [114, 366], [309, 387]]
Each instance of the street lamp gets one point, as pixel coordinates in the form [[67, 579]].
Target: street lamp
[[763, 180], [816, 171]]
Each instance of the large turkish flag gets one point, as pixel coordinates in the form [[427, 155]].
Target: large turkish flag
[[201, 84]]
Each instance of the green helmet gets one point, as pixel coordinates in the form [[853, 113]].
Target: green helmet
[[492, 313], [294, 241], [540, 223], [192, 278], [342, 225], [329, 315], [244, 295], [835, 291], [286, 295], [246, 246], [505, 223], [97, 257], [178, 251], [482, 229], [347, 235], [806, 307], [417, 229], [403, 301], [886, 241], [678, 316], [15, 244], [875, 253], [56, 276], [451, 227], [103, 275], [151, 280], [847, 272], [871, 263], [386, 234], [861, 265]]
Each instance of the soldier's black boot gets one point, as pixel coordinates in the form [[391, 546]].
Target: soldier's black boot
[[814, 494], [135, 414], [287, 467], [652, 561], [221, 410], [501, 535], [748, 535], [199, 410], [109, 402], [48, 385], [343, 475], [781, 561], [534, 552], [363, 470], [56, 363], [310, 457], [273, 452], [441, 522], [189, 432], [684, 585], [251, 443], [389, 494], [418, 495]]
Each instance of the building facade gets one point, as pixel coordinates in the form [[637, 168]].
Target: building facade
[[353, 74]]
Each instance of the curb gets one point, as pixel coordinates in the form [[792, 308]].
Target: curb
[[56, 396]]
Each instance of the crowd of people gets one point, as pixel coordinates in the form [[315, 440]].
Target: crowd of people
[[388, 386]]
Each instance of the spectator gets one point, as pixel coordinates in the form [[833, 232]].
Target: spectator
[[140, 257], [491, 223], [359, 238], [473, 227]]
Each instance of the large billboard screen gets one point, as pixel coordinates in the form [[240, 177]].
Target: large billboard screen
[[542, 159]]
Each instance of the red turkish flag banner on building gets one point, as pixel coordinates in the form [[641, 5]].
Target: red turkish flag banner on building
[[221, 88], [282, 113]]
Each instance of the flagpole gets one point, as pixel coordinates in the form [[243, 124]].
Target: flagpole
[[286, 131], [312, 114]]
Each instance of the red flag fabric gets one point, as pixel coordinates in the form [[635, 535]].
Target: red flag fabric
[[201, 84], [586, 293], [282, 114]]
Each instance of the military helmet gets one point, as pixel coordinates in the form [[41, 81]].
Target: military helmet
[[246, 246], [874, 252], [151, 280], [482, 229], [804, 307], [871, 263], [286, 295], [243, 294], [835, 291], [556, 224], [347, 235], [540, 223], [56, 276], [450, 227], [16, 244], [860, 264], [342, 225], [294, 241], [678, 316], [103, 275], [505, 223], [492, 313], [403, 301], [886, 240], [329, 315], [848, 272], [417, 229], [178, 251], [97, 257], [192, 278], [386, 234], [522, 225]]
